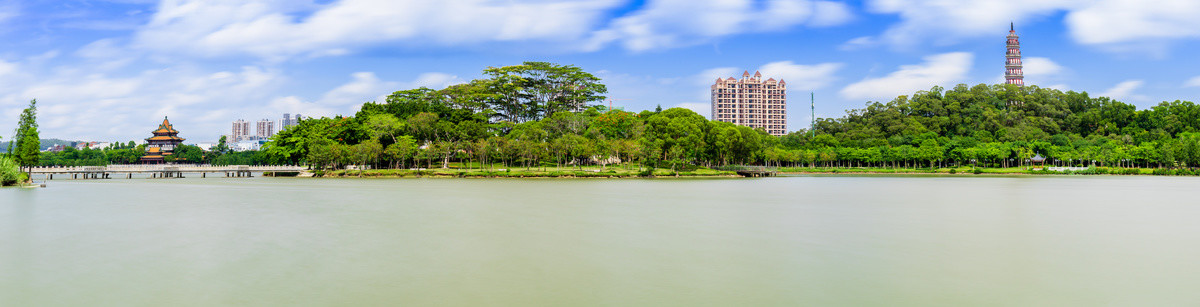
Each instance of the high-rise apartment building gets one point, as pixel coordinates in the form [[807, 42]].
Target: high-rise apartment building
[[241, 130], [285, 122], [288, 121], [752, 102], [265, 128]]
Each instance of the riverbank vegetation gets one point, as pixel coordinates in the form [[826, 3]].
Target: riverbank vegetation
[[544, 117], [10, 172], [130, 153], [465, 170], [534, 117]]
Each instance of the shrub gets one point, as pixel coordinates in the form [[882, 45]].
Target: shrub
[[649, 172], [977, 171], [954, 171], [10, 173]]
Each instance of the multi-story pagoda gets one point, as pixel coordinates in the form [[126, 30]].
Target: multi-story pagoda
[[162, 144], [1012, 63]]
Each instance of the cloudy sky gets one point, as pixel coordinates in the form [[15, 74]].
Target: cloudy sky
[[110, 70]]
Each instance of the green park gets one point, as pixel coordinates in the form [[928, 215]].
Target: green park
[[541, 119]]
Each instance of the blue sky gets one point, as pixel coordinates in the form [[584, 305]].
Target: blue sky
[[110, 70]]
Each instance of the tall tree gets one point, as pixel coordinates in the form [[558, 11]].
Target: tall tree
[[536, 90], [26, 137]]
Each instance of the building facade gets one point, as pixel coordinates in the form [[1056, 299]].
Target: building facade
[[288, 121], [241, 130], [1012, 63], [752, 102], [265, 129]]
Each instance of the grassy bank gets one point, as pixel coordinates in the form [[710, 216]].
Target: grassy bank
[[989, 170], [459, 171]]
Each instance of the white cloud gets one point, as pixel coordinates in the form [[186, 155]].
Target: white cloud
[[1039, 71], [7, 68], [798, 77], [8, 11], [942, 69], [801, 77], [704, 109], [858, 43], [364, 87], [708, 76], [948, 20], [1089, 22], [1193, 82], [1121, 21], [434, 80], [78, 104], [1037, 67], [1125, 91], [274, 29], [672, 23], [277, 30]]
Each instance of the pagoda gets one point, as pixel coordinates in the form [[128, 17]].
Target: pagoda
[[162, 144], [1012, 64]]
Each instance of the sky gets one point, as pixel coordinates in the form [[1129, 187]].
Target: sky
[[111, 70]]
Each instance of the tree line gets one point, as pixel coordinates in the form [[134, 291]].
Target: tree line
[[1000, 126], [537, 115], [531, 115]]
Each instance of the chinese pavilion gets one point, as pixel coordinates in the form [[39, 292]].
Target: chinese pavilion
[[162, 144]]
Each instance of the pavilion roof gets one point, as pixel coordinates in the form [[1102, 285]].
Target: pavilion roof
[[165, 127]]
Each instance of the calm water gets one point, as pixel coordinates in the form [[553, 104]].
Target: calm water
[[810, 240]]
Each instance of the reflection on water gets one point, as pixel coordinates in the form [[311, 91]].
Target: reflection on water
[[806, 240]]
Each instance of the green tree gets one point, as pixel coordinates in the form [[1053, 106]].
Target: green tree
[[366, 154], [536, 90], [404, 149], [26, 137], [221, 148]]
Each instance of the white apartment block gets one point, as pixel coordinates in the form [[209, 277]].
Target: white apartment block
[[241, 130], [752, 102]]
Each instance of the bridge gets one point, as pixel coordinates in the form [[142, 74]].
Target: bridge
[[157, 171]]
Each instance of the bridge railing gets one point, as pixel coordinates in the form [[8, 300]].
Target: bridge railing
[[161, 167]]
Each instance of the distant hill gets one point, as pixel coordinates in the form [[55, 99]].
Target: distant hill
[[45, 143]]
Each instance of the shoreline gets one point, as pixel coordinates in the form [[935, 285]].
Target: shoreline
[[531, 174]]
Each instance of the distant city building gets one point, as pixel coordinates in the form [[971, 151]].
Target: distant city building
[[1012, 63], [87, 145], [288, 121], [752, 102], [162, 144], [246, 145], [241, 129], [265, 129], [206, 146]]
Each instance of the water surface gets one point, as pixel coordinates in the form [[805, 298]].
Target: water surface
[[803, 240]]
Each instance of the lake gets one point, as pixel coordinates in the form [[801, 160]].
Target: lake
[[785, 241]]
